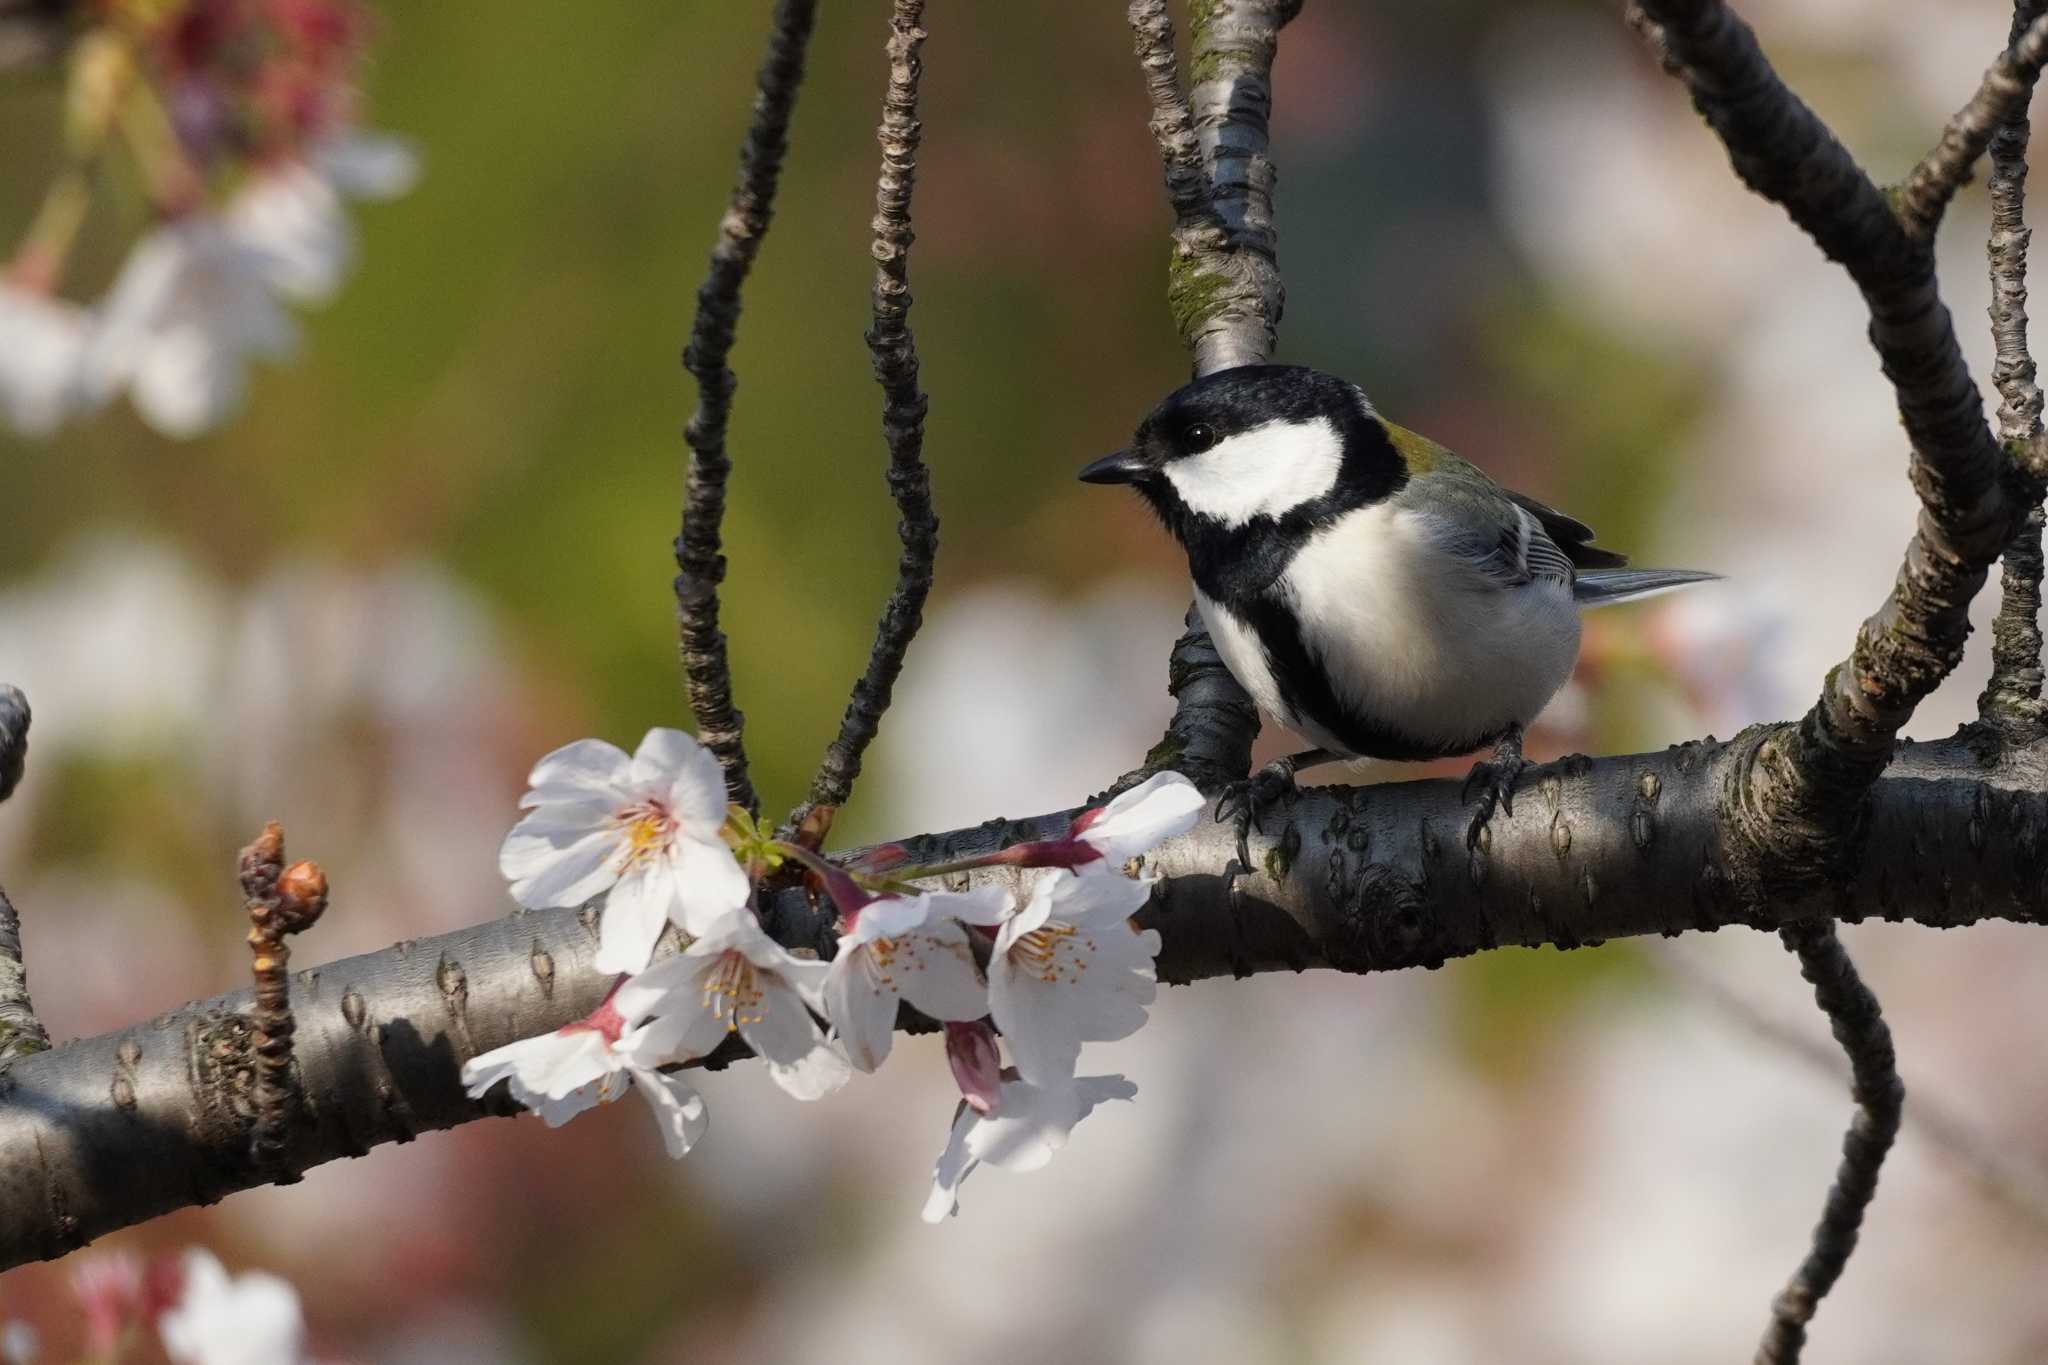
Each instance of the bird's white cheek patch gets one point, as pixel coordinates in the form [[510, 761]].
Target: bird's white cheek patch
[[1266, 471]]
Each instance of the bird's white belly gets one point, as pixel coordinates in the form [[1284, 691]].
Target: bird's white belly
[[1414, 641]]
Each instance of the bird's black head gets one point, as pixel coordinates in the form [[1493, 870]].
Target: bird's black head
[[1277, 444]]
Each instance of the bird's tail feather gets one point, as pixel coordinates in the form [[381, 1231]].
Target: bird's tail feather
[[1599, 587]]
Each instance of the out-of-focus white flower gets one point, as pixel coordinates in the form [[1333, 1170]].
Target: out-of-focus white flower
[[735, 979], [19, 1344], [190, 308], [645, 829], [908, 948], [294, 213], [1102, 839], [1070, 968], [111, 1298], [250, 1319], [1030, 1125], [593, 1061], [42, 341]]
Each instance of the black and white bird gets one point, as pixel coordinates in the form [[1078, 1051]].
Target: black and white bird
[[1371, 591]]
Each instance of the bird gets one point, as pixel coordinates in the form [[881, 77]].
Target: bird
[[1369, 589]]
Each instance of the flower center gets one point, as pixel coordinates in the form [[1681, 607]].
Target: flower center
[[649, 829], [733, 992], [1051, 951]]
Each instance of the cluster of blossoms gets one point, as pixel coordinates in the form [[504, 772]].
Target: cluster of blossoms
[[199, 1313], [652, 835], [241, 118]]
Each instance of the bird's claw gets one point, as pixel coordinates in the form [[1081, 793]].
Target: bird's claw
[[1492, 783], [1247, 801]]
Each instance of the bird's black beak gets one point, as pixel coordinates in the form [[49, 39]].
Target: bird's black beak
[[1124, 466]]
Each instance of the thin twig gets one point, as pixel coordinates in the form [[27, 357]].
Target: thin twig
[[20, 1031], [1859, 1027], [2004, 92], [903, 413], [700, 567], [2013, 1184], [2012, 699], [281, 901]]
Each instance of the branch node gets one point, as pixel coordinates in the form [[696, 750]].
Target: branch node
[[281, 901]]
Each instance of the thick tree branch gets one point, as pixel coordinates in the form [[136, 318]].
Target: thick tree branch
[[108, 1131], [700, 567], [903, 413], [1874, 1084], [20, 1031]]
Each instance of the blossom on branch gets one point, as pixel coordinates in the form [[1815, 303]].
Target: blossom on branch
[[41, 342], [1031, 1123], [737, 980], [644, 831], [1070, 967], [593, 1061], [911, 948]]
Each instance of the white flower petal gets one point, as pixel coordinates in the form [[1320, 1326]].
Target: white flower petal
[[1035, 1015], [820, 1072], [252, 1319], [635, 912], [548, 869], [954, 1166], [587, 770], [368, 165], [939, 975], [293, 219], [779, 1028], [1164, 805], [861, 1007], [710, 883], [42, 352], [678, 1109], [1097, 900], [1032, 1124]]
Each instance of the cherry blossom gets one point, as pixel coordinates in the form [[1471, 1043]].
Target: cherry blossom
[[42, 341], [294, 214], [737, 980], [643, 829], [19, 1344], [249, 1319], [593, 1061], [192, 306], [1031, 1123], [976, 1062], [911, 948], [1070, 967]]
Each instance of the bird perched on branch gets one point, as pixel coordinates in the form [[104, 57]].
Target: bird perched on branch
[[1371, 591]]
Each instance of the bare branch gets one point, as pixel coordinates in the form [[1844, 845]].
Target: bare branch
[[20, 1031], [2005, 90], [1874, 1084], [1224, 291], [700, 567], [1800, 804], [1356, 879], [2012, 699], [903, 412]]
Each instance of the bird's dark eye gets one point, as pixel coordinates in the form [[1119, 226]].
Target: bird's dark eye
[[1198, 438]]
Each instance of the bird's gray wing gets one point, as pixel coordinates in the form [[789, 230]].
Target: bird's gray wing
[[1473, 520]]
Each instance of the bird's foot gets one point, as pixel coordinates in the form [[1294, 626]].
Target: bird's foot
[[1248, 801], [1492, 783]]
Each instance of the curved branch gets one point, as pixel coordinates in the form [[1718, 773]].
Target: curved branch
[[108, 1131], [700, 567], [1880, 1098], [903, 413]]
